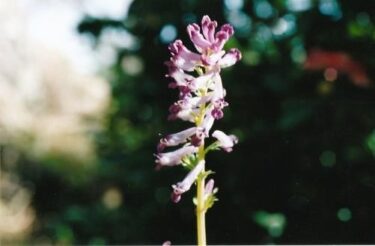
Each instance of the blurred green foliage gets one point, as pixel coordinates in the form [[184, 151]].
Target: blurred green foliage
[[306, 150]]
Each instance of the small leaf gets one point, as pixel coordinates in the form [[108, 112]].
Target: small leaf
[[213, 146], [205, 174], [211, 199]]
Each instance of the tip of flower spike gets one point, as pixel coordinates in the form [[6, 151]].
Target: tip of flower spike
[[205, 20]]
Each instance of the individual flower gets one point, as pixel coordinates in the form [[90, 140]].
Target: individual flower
[[174, 158], [226, 142], [184, 185], [176, 139]]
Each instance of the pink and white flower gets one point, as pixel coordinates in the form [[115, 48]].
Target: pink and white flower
[[226, 142], [184, 185], [174, 158]]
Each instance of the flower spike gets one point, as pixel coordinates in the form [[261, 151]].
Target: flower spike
[[196, 76]]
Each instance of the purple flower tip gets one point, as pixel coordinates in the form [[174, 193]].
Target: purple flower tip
[[160, 147], [227, 29], [175, 197], [236, 53], [217, 113]]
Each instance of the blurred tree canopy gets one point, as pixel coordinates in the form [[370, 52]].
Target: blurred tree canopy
[[301, 102]]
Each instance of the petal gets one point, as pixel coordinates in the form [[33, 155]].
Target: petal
[[228, 29], [217, 113], [213, 58], [221, 39], [226, 141], [187, 65], [208, 28], [174, 158], [176, 138], [186, 114], [209, 187], [218, 88], [180, 77], [198, 139], [200, 43], [182, 57], [202, 81], [184, 185], [222, 36], [208, 122], [218, 104], [230, 58], [181, 50]]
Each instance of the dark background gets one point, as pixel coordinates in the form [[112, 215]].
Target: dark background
[[303, 171]]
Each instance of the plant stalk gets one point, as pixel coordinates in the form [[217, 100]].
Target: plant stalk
[[200, 207], [201, 212]]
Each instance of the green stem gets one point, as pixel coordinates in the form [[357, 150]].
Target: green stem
[[200, 206], [200, 209]]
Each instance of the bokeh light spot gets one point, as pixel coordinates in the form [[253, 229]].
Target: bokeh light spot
[[285, 26], [168, 33], [251, 57], [363, 19], [298, 5], [330, 74], [344, 214], [112, 198], [233, 4], [274, 223], [298, 54], [132, 65], [280, 27], [327, 158], [330, 8], [324, 88], [263, 9], [240, 21]]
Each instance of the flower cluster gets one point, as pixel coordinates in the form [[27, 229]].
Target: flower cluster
[[201, 101]]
